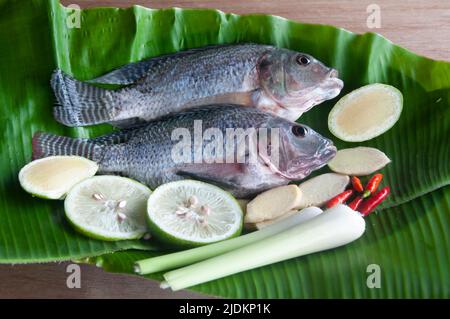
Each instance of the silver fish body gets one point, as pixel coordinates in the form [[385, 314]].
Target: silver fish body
[[151, 153], [280, 81]]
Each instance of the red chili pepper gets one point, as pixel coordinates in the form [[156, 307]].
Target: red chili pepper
[[356, 183], [354, 204], [339, 199], [372, 184], [369, 205]]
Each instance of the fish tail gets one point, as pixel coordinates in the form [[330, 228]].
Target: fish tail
[[46, 144], [79, 103]]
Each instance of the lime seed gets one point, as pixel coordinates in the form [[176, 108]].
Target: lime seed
[[97, 196], [122, 204], [121, 217], [205, 209], [193, 200]]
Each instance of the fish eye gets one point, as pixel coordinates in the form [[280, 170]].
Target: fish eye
[[299, 131], [303, 60]]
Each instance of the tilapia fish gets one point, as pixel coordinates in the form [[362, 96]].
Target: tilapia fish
[[241, 149], [280, 81]]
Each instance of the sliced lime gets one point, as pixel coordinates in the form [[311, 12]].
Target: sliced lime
[[52, 177], [193, 213], [108, 207]]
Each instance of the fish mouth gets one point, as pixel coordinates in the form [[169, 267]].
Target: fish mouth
[[301, 167], [303, 100], [332, 85], [328, 90], [328, 154], [335, 84], [333, 73]]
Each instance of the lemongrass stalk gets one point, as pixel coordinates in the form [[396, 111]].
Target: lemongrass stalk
[[335, 227], [190, 256]]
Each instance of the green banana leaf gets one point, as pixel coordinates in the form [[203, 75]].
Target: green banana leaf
[[408, 239], [407, 242]]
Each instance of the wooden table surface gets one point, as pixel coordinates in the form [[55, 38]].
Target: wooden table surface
[[421, 26]]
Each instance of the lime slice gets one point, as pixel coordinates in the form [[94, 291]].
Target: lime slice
[[193, 213], [52, 177], [366, 113], [108, 207]]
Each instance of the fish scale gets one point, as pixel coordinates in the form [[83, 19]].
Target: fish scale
[[261, 76], [145, 153], [174, 84]]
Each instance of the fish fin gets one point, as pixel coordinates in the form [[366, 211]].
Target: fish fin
[[134, 71], [225, 175], [79, 103], [116, 137], [46, 144], [125, 75], [128, 123]]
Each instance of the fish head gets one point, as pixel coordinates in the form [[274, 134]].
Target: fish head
[[296, 81], [297, 151]]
